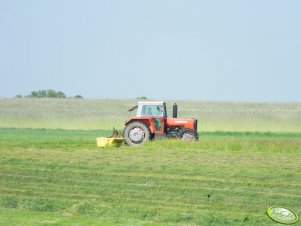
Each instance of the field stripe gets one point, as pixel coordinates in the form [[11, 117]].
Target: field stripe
[[147, 203], [146, 175], [203, 189]]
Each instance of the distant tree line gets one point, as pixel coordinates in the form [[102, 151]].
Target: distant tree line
[[49, 93], [141, 98]]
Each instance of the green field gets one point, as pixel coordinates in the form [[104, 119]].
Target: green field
[[52, 173]]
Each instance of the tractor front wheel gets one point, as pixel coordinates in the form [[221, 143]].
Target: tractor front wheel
[[189, 136], [136, 133]]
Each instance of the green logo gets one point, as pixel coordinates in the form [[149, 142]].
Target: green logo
[[282, 215]]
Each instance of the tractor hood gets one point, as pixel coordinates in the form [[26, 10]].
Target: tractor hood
[[184, 122]]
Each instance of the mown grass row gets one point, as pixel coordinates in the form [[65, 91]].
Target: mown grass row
[[85, 139], [59, 177]]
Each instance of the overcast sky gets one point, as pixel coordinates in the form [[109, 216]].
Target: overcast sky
[[162, 49]]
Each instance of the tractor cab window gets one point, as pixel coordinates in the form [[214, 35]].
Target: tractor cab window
[[152, 110]]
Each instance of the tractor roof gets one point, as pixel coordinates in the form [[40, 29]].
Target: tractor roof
[[150, 102], [142, 103]]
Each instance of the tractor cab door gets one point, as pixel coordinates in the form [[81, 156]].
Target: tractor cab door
[[158, 124]]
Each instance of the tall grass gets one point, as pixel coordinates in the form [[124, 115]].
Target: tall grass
[[63, 113], [104, 114]]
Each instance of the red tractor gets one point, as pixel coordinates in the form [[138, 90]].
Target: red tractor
[[151, 121]]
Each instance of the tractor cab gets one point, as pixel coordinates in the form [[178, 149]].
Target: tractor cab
[[151, 108], [155, 111]]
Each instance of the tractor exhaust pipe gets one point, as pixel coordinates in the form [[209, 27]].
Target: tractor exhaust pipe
[[175, 110]]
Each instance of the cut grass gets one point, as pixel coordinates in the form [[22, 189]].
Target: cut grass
[[60, 177], [85, 139]]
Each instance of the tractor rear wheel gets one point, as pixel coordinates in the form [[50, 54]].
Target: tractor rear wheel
[[136, 133]]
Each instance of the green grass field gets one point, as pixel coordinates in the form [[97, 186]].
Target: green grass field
[[56, 175]]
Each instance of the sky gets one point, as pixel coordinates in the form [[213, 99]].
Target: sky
[[234, 50]]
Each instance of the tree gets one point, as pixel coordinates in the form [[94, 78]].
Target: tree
[[42, 93], [34, 94], [60, 94], [51, 93]]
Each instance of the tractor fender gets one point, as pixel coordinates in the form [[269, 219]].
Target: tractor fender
[[146, 120]]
